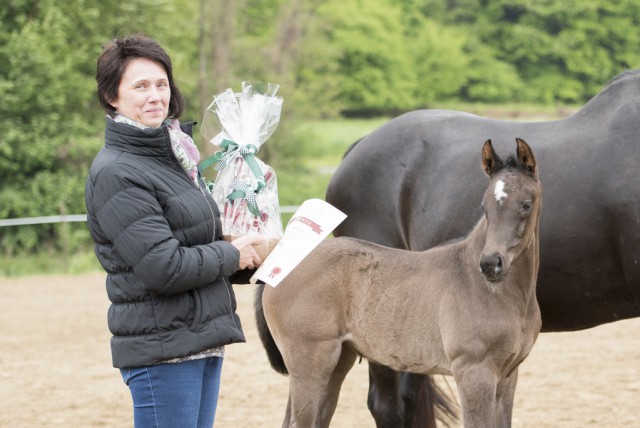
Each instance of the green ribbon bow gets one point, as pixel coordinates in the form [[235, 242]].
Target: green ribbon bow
[[231, 150], [244, 191]]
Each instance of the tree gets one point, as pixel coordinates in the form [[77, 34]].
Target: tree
[[51, 122], [374, 73], [440, 61], [44, 151]]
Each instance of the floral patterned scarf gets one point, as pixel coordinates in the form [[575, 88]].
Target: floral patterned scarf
[[182, 145]]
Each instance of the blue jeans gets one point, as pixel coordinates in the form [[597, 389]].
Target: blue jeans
[[175, 395]]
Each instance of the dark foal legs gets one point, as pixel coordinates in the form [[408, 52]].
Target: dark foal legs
[[419, 398], [398, 399], [407, 400], [384, 400]]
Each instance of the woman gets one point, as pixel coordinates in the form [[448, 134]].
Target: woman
[[157, 233]]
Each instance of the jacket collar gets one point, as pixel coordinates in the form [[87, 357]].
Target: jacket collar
[[146, 142]]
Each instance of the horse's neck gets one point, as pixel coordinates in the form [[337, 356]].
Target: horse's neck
[[612, 99]]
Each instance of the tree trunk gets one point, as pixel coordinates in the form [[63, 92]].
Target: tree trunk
[[215, 51]]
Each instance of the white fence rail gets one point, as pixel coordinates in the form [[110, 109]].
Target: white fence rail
[[83, 217], [43, 220]]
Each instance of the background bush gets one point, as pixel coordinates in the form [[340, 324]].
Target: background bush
[[333, 59]]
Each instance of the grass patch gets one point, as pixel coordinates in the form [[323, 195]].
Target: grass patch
[[49, 263], [331, 138], [321, 146]]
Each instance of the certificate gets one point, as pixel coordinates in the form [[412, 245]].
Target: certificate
[[310, 225]]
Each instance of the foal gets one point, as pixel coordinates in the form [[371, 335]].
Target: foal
[[466, 309]]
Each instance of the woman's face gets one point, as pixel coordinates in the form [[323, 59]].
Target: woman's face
[[144, 93]]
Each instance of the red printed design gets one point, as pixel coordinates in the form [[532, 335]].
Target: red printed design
[[275, 271], [312, 224]]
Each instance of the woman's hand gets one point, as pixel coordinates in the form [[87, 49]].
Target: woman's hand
[[249, 258]]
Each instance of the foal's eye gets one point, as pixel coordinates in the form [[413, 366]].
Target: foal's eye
[[526, 207]]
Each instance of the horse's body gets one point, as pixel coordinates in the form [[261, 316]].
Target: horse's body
[[468, 308], [401, 186]]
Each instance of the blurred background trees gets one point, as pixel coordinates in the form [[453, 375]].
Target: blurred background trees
[[332, 58]]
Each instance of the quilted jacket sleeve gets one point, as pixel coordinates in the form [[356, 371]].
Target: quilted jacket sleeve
[[131, 218]]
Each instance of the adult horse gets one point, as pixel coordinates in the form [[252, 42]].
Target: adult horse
[[467, 309], [401, 187]]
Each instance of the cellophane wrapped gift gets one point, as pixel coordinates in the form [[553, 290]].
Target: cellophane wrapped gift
[[246, 189]]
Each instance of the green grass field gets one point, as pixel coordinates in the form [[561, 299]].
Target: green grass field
[[322, 145]]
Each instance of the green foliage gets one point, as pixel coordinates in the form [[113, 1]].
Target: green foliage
[[317, 90], [332, 58], [375, 71], [489, 79], [441, 64], [549, 51], [46, 96]]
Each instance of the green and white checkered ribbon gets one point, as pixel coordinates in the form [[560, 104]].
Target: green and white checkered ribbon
[[232, 150], [244, 191]]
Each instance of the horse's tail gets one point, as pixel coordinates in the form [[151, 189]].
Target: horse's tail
[[433, 403], [273, 353]]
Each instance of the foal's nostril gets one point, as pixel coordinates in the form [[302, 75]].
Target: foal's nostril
[[498, 266]]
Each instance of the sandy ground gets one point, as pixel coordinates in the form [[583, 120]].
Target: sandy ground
[[56, 368]]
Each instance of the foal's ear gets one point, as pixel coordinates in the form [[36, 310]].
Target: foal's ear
[[490, 160], [526, 160]]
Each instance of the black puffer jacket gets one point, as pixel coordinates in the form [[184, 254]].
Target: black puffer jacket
[[158, 237]]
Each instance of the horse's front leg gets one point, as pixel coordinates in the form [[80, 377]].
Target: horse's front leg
[[287, 417], [307, 401], [345, 363], [505, 397], [477, 386]]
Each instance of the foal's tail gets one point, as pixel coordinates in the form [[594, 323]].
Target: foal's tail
[[273, 353]]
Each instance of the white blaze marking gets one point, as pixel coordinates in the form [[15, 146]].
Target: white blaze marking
[[499, 192]]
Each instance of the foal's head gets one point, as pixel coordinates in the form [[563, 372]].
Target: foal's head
[[511, 205]]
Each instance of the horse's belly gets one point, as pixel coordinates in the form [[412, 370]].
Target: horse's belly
[[415, 365], [422, 355]]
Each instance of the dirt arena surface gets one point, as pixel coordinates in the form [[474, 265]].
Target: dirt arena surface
[[56, 368]]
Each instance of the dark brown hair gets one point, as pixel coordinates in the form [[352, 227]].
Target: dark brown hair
[[114, 59]]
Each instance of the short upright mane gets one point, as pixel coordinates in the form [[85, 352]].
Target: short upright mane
[[509, 163]]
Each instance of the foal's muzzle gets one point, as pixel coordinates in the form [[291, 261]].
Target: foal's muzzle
[[492, 267]]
